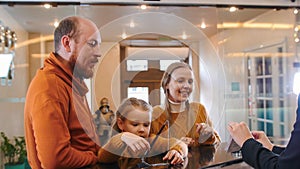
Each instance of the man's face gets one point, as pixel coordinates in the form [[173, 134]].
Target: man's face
[[86, 51]]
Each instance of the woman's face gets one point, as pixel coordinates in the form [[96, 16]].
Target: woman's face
[[181, 85], [137, 122]]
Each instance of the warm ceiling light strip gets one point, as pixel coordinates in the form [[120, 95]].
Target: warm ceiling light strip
[[255, 25]]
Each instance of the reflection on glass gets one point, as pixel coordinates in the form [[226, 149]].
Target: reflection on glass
[[204, 155]]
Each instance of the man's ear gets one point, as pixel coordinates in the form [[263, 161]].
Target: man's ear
[[120, 123], [65, 42]]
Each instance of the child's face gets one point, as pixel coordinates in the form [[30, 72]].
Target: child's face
[[136, 122]]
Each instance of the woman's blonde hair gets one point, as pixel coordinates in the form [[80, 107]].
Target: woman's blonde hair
[[127, 106]]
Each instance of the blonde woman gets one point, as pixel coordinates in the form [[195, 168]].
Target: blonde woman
[[188, 120]]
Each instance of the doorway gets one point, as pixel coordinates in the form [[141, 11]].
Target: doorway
[[143, 65]]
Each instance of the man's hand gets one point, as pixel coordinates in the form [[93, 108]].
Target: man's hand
[[239, 132], [261, 137]]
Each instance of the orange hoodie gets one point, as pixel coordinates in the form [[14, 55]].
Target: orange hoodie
[[59, 129]]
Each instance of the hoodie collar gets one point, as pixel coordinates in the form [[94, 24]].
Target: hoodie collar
[[66, 73]]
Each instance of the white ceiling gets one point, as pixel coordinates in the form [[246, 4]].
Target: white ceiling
[[113, 20]]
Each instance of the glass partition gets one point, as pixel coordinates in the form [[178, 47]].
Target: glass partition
[[242, 60]]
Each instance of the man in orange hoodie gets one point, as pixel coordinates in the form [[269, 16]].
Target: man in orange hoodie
[[59, 127]]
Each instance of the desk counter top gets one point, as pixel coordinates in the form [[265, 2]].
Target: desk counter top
[[198, 157]]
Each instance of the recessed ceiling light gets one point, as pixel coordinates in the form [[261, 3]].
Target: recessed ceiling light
[[124, 35], [183, 36], [56, 23], [203, 25], [132, 25], [143, 7], [233, 9], [47, 6]]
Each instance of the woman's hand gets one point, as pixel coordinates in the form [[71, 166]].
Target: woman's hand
[[175, 156], [205, 132], [136, 143]]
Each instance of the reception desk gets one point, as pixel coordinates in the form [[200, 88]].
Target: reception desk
[[198, 157], [214, 157]]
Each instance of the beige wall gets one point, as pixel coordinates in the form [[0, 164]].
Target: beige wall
[[12, 97], [107, 77]]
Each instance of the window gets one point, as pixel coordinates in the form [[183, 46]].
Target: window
[[163, 64], [5, 62], [137, 65], [138, 92]]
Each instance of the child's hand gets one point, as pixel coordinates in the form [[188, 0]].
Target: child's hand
[[136, 143], [175, 156], [205, 132]]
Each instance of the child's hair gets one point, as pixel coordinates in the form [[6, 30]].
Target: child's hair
[[129, 105]]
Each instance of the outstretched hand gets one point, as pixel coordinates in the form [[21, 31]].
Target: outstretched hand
[[239, 132], [137, 144], [205, 132], [261, 137]]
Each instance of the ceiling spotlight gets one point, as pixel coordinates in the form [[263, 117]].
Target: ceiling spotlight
[[56, 23], [184, 36], [296, 11], [124, 35], [132, 25], [203, 25], [47, 6], [233, 9], [143, 7]]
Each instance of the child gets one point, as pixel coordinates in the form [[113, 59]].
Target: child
[[132, 141]]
